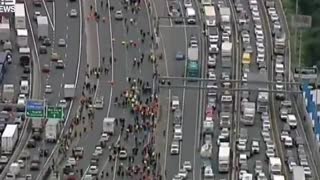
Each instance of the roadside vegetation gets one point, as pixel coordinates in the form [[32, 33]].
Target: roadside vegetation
[[311, 37]]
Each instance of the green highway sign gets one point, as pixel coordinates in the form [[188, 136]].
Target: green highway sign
[[55, 113], [35, 109]]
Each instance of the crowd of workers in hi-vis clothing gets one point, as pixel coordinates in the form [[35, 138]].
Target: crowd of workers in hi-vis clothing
[[139, 98]]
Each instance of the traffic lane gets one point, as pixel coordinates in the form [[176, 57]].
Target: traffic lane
[[175, 68]]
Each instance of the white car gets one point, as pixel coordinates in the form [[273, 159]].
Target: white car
[[72, 161], [93, 170], [187, 3], [62, 103], [105, 137], [255, 12], [98, 150], [260, 48], [208, 172], [48, 89], [175, 148], [245, 77], [260, 57], [270, 153], [255, 147], [224, 132], [242, 145], [213, 39], [307, 171], [266, 124], [187, 165], [183, 173], [177, 135], [21, 163], [246, 38], [274, 17], [284, 135], [212, 75], [225, 37], [73, 13], [61, 42], [272, 10], [123, 154], [99, 103]]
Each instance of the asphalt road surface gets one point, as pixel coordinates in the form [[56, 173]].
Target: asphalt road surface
[[122, 68], [69, 31]]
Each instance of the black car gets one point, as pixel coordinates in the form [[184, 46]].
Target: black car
[[31, 143], [44, 152], [43, 50], [175, 12], [37, 3], [26, 69]]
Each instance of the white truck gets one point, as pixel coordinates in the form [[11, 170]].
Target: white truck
[[43, 27], [8, 93], [9, 138], [22, 38], [225, 14], [69, 91], [52, 130], [4, 32], [109, 125], [298, 173], [275, 165], [263, 102], [20, 16], [14, 171], [24, 87], [226, 54], [248, 113], [277, 177], [224, 157]]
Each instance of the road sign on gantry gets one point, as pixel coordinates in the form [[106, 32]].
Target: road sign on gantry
[[55, 113], [35, 109]]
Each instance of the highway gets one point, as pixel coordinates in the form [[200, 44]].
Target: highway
[[100, 37], [55, 78]]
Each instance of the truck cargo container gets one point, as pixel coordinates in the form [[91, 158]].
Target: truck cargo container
[[275, 165], [224, 157], [52, 130], [43, 27], [22, 38], [15, 169], [193, 69], [108, 125], [4, 32], [9, 138], [248, 113], [210, 15], [69, 91], [226, 54], [225, 14], [206, 2], [20, 16], [298, 173], [8, 93]]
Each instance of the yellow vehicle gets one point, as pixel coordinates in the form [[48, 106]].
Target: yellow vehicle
[[246, 58]]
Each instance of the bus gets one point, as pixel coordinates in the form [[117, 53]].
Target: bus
[[308, 74], [193, 69], [210, 15]]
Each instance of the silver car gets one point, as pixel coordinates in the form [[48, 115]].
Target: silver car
[[73, 13]]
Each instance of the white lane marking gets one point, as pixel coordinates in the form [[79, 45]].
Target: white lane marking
[[76, 84], [184, 84], [99, 53], [67, 27], [48, 15], [168, 8], [54, 13], [65, 56], [179, 26], [34, 41], [67, 36]]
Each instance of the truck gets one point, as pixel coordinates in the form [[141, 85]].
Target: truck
[[279, 43], [22, 38], [224, 157], [9, 138], [8, 93], [210, 15], [24, 87], [52, 130], [14, 169], [263, 102], [43, 27], [298, 173], [275, 165], [269, 3], [193, 69], [37, 127], [20, 16], [109, 125], [226, 54], [225, 14], [277, 177], [4, 32], [206, 150], [248, 113], [69, 91]]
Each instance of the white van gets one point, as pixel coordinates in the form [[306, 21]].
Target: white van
[[191, 15]]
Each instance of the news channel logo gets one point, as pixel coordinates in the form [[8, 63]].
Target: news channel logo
[[7, 6]]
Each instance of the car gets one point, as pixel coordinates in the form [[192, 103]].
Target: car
[[224, 132], [46, 68], [260, 57], [177, 177], [43, 49], [266, 124], [187, 3], [274, 17], [183, 173], [61, 42], [193, 42], [175, 12], [62, 103], [177, 135], [21, 163], [72, 161], [25, 154], [93, 170], [78, 152], [35, 15], [46, 42], [248, 49], [60, 64], [37, 3], [239, 7], [307, 171], [118, 15], [180, 56], [255, 146], [98, 150], [212, 61], [272, 10], [213, 49], [175, 148], [276, 26], [123, 154], [175, 103], [258, 167], [26, 69], [99, 103], [4, 159], [270, 153], [225, 37], [208, 172], [105, 137], [212, 75], [73, 13], [48, 89]]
